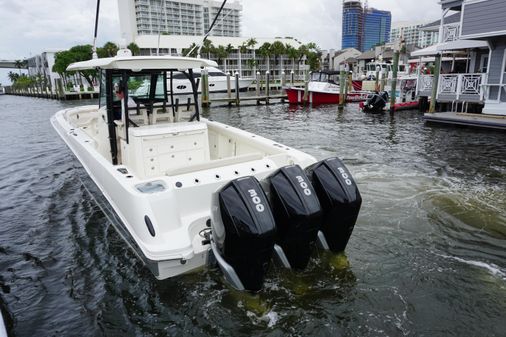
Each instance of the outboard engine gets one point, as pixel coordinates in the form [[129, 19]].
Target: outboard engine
[[297, 213], [340, 201], [243, 233], [376, 102]]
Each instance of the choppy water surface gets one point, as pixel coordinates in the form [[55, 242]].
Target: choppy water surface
[[427, 257]]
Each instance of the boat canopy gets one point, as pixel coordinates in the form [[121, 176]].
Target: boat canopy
[[142, 63]]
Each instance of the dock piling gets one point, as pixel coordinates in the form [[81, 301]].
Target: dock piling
[[306, 87], [435, 84], [342, 88], [229, 87], [237, 97], [393, 92], [267, 86], [205, 88]]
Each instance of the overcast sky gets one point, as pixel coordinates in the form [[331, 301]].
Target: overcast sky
[[29, 27]]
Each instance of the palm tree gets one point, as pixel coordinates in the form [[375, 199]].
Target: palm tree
[[293, 54], [19, 64], [193, 48], [134, 48], [13, 77], [251, 43], [278, 49], [229, 49], [221, 54], [265, 52], [110, 49]]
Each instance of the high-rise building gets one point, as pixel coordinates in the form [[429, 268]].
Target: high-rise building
[[413, 34], [178, 17], [377, 25], [352, 24], [363, 27]]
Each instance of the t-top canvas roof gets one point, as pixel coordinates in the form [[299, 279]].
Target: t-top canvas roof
[[143, 63]]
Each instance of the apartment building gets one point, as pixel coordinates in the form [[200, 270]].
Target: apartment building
[[178, 17]]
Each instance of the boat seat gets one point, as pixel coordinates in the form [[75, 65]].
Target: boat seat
[[160, 114], [155, 149], [215, 164]]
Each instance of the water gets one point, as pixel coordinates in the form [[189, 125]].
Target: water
[[427, 257]]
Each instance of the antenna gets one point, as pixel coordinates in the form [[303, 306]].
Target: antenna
[[210, 30], [94, 55]]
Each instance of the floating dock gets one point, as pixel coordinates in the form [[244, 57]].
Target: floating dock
[[467, 119]]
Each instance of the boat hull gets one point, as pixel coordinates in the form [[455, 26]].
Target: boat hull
[[296, 96], [180, 213]]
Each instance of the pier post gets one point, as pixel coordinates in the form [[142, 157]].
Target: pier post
[[267, 86], [205, 88], [283, 80], [229, 87], [258, 86], [237, 98], [342, 85], [292, 77], [393, 92], [435, 84], [376, 84], [305, 99]]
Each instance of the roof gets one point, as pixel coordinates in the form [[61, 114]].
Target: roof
[[184, 41], [450, 46], [368, 55], [454, 18], [142, 62]]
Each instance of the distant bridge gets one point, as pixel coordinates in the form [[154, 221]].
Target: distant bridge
[[6, 64]]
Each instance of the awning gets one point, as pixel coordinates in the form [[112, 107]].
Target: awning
[[440, 48]]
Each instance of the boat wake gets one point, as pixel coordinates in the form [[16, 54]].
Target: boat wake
[[490, 267]]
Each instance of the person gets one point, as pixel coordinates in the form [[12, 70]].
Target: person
[[120, 95]]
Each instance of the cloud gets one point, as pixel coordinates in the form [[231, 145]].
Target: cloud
[[32, 26]]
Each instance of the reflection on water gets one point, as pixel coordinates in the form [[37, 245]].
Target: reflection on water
[[426, 258]]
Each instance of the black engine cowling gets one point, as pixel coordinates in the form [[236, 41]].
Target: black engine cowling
[[297, 213], [339, 198], [244, 230], [376, 102]]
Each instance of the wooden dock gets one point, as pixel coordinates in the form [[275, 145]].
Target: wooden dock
[[467, 119]]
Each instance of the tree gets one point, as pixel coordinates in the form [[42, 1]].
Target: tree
[[292, 53], [221, 54], [134, 48], [20, 64], [278, 49], [265, 52], [13, 77], [108, 50], [229, 49], [75, 54], [207, 48], [193, 47]]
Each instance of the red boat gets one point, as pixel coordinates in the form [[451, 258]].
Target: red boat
[[324, 89]]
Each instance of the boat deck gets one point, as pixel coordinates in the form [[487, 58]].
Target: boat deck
[[467, 119]]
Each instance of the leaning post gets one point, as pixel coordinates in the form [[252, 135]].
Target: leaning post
[[237, 98], [342, 84], [267, 86], [205, 89], [435, 84], [258, 86], [305, 99], [393, 92]]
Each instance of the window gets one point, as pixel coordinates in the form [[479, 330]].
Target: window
[[484, 64]]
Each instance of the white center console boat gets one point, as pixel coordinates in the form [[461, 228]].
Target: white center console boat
[[186, 192]]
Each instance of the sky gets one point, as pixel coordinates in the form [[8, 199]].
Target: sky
[[30, 27]]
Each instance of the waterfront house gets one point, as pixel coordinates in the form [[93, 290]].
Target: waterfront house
[[473, 39]]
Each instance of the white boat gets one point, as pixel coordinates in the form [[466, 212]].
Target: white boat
[[184, 191], [217, 82]]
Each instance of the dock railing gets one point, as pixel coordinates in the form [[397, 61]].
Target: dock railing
[[467, 87]]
